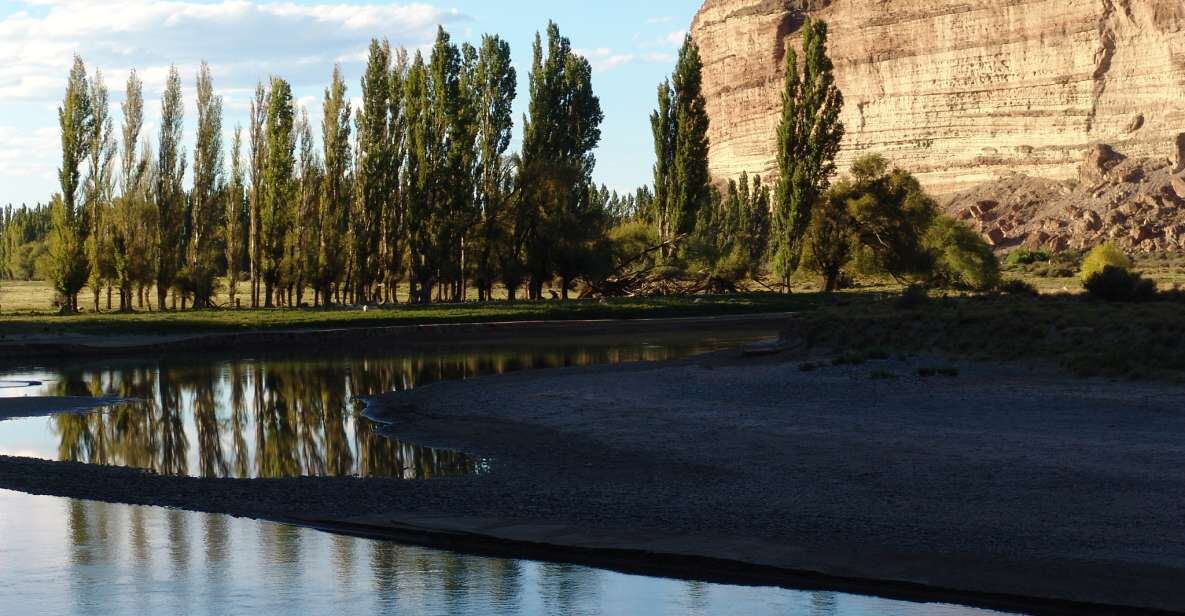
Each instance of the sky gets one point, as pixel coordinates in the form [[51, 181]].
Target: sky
[[631, 45]]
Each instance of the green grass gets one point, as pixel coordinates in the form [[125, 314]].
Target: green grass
[[240, 320], [1085, 336]]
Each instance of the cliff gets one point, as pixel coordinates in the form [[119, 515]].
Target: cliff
[[960, 92]]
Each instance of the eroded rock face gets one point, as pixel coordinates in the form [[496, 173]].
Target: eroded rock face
[[958, 91], [1136, 203]]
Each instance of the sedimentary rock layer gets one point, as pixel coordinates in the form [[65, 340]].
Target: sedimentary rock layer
[[957, 91]]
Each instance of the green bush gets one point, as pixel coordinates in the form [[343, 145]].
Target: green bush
[[1101, 257], [961, 257], [1027, 257], [1115, 284]]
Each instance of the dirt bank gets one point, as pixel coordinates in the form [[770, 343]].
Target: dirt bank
[[1008, 485]]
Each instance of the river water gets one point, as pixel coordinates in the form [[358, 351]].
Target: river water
[[279, 416]]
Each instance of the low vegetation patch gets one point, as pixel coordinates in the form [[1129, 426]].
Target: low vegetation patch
[[241, 320], [1087, 337]]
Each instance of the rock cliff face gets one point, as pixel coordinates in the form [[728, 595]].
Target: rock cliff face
[[958, 91]]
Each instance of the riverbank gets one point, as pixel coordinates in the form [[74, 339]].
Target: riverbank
[[1004, 485], [19, 348]]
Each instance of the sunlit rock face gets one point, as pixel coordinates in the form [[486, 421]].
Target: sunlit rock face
[[957, 91]]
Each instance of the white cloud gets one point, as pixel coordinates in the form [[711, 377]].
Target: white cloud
[[243, 40], [606, 59], [676, 38]]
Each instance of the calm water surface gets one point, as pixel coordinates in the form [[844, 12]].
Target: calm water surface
[[280, 416], [60, 556], [289, 416]]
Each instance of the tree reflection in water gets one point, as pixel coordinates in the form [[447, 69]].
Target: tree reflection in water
[[286, 418]]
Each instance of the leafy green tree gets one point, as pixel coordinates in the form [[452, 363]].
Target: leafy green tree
[[278, 187], [100, 191], [133, 225], [682, 138], [495, 83], [76, 119], [394, 215], [962, 259], [201, 260], [374, 168], [560, 135], [232, 218], [259, 140], [302, 250], [891, 219], [334, 205], [809, 137], [662, 125], [829, 237], [168, 194], [417, 178]]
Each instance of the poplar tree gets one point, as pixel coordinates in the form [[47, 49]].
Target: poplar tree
[[99, 191], [68, 238], [559, 135], [277, 190], [809, 138], [233, 217], [201, 260], [334, 203], [374, 167], [680, 127], [303, 248], [662, 126], [495, 83], [131, 225], [394, 215], [258, 137], [169, 195], [416, 178]]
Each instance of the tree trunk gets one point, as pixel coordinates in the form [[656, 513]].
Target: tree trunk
[[267, 301]]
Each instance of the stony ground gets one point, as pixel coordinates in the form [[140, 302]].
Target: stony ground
[[1008, 479]]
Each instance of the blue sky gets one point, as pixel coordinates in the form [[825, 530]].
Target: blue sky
[[630, 44]]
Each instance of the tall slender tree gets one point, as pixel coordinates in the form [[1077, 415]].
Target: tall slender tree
[[662, 125], [416, 174], [394, 218], [201, 259], [495, 84], [76, 119], [258, 137], [99, 191], [169, 194], [560, 135], [374, 167], [809, 138], [131, 253], [334, 204], [278, 187], [305, 226], [233, 218], [680, 127]]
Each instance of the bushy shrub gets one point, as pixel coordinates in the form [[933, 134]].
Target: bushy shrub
[[1015, 286], [1116, 284], [1101, 257], [1027, 257], [961, 257]]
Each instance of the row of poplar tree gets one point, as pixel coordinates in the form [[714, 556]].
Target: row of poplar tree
[[413, 187]]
